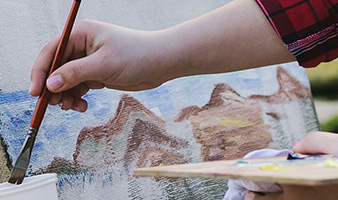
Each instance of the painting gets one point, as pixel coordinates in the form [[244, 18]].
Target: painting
[[186, 120]]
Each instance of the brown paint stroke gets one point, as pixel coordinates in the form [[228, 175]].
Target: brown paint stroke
[[139, 129], [290, 89], [228, 126]]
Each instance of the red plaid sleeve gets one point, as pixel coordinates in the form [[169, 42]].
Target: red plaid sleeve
[[307, 27]]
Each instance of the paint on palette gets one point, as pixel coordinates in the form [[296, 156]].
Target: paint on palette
[[328, 161], [274, 167], [331, 163]]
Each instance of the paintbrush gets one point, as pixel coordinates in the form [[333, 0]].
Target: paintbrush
[[22, 162]]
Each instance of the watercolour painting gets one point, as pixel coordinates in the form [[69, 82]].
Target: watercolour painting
[[186, 120]]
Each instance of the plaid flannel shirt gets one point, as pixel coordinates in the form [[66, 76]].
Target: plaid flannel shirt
[[307, 27]]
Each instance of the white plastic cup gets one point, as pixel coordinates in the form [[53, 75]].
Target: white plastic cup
[[40, 187]]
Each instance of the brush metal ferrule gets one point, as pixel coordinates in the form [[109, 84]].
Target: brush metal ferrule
[[25, 154], [32, 132]]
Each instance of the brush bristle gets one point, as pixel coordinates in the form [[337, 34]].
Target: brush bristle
[[21, 164], [17, 176]]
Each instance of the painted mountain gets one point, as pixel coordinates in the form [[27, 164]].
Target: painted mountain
[[289, 111], [134, 135], [228, 126], [290, 89]]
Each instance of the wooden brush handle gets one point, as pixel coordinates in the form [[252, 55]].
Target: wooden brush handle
[[43, 100]]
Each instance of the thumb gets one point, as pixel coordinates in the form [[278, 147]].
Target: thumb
[[317, 142], [75, 72]]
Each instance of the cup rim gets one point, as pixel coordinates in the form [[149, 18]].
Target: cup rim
[[29, 183]]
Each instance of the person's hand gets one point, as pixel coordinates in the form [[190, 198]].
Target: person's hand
[[318, 142], [102, 55]]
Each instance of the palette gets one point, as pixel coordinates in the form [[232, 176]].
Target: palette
[[305, 170]]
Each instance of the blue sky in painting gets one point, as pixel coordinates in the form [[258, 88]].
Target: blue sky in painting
[[59, 131]]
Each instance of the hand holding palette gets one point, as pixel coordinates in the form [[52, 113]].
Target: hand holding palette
[[293, 169]]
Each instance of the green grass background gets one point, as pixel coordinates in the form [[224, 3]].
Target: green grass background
[[324, 86]]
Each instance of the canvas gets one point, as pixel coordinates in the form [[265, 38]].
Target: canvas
[[187, 120], [193, 119]]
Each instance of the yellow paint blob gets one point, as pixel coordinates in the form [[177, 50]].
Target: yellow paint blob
[[273, 167], [234, 122], [331, 163]]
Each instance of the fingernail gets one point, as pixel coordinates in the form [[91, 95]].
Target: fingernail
[[55, 82]]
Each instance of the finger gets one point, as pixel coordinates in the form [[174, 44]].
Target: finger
[[318, 142], [310, 144], [75, 72], [67, 101], [41, 67], [249, 195], [55, 99], [76, 92], [71, 99], [94, 85], [135, 87], [80, 105], [79, 90], [76, 48]]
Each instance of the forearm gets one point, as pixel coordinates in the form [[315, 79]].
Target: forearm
[[234, 37]]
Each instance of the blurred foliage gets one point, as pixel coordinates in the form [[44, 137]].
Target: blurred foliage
[[324, 85], [324, 80], [331, 125]]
